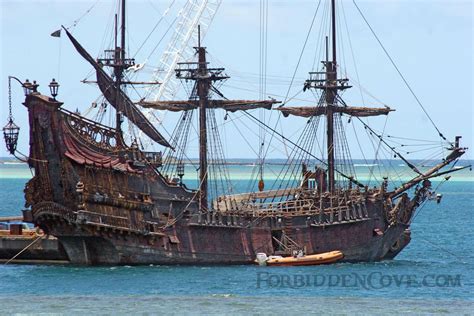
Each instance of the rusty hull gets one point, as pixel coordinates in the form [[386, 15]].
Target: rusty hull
[[106, 210]]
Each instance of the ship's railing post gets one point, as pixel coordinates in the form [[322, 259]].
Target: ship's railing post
[[348, 213], [354, 211], [333, 209], [359, 210], [321, 209]]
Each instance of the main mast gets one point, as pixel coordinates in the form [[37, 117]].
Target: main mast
[[203, 86], [203, 76]]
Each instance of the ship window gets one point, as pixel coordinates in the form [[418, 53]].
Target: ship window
[[311, 183]]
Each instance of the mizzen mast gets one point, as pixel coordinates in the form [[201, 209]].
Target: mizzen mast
[[119, 57], [116, 59]]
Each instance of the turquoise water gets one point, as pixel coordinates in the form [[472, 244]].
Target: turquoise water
[[434, 274]]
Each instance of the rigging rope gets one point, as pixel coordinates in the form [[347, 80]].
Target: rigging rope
[[399, 72], [310, 154], [263, 84], [23, 250], [391, 148], [161, 39], [154, 28], [301, 54], [352, 53], [76, 21]]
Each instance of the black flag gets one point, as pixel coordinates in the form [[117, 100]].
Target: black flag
[[56, 33]]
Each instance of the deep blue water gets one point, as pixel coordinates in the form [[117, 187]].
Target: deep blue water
[[434, 274]]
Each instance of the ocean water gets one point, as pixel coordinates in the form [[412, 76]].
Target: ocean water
[[433, 275]]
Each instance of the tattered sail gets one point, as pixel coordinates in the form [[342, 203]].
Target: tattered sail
[[308, 111], [228, 105], [111, 92]]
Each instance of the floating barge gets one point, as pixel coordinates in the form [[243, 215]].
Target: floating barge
[[21, 244]]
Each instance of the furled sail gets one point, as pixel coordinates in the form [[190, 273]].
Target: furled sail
[[308, 111], [228, 105], [110, 91]]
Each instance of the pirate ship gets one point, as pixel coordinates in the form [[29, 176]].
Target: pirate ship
[[110, 202]]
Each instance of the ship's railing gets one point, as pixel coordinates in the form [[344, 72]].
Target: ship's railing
[[315, 217], [285, 206], [104, 199], [105, 138], [327, 209], [307, 200], [285, 199], [111, 221], [150, 157], [99, 135]]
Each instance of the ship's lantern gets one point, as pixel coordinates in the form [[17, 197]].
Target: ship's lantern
[[54, 87], [10, 132], [27, 87]]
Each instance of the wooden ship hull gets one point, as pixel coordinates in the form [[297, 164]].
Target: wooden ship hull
[[105, 207], [108, 202]]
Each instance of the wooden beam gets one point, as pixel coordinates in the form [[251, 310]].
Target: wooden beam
[[308, 111], [228, 105]]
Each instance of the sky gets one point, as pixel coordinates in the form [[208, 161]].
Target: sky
[[430, 41]]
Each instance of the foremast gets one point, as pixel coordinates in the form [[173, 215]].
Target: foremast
[[328, 82], [330, 86], [331, 92]]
